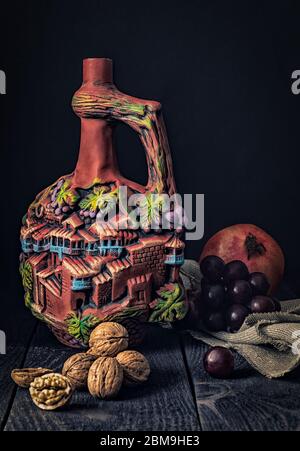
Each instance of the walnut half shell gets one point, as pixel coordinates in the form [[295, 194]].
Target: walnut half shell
[[51, 391], [24, 376]]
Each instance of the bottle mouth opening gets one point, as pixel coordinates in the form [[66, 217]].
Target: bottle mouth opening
[[98, 70]]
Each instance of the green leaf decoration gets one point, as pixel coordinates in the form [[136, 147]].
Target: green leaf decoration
[[27, 277], [67, 195], [80, 327], [150, 210], [171, 304], [99, 199]]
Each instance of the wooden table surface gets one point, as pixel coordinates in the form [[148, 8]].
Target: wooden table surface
[[179, 396]]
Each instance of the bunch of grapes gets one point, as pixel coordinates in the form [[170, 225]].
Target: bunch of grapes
[[54, 205], [87, 215], [230, 293]]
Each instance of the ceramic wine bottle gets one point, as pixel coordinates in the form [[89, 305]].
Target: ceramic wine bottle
[[89, 254]]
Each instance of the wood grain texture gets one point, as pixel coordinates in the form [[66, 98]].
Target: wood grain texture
[[247, 401], [165, 403], [18, 339]]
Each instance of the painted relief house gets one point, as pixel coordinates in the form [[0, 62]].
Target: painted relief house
[[78, 267]]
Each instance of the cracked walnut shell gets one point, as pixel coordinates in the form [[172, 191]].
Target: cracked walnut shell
[[108, 339], [135, 366], [105, 378], [76, 369], [50, 391], [24, 376]]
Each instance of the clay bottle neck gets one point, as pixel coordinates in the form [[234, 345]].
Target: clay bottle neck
[[97, 70], [97, 158]]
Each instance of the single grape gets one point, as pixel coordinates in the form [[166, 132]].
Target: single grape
[[219, 362], [239, 292], [235, 270], [92, 214], [259, 283], [215, 321], [212, 268], [86, 214], [65, 209], [262, 304], [235, 316], [58, 211], [213, 296]]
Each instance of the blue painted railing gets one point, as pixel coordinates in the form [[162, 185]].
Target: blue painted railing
[[26, 247], [57, 249], [81, 284], [41, 248], [60, 250], [174, 259]]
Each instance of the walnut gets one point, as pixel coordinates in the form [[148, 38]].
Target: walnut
[[76, 369], [51, 391], [24, 376], [105, 377], [136, 331], [108, 339], [135, 366]]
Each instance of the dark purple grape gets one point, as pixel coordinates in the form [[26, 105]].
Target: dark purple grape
[[235, 270], [259, 283], [212, 268], [215, 321], [213, 296], [277, 305], [235, 316], [219, 362], [239, 292], [262, 304]]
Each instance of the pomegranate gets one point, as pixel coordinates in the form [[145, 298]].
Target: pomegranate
[[253, 246]]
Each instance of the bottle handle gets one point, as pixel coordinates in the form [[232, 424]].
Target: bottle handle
[[105, 101]]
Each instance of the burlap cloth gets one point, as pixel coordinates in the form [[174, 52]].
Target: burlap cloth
[[270, 342]]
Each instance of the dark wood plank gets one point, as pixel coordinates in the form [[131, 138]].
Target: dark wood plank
[[165, 403], [17, 345], [247, 401]]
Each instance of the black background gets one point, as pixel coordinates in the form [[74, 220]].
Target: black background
[[222, 70]]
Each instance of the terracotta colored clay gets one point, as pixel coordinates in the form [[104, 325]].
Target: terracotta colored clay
[[77, 267]]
